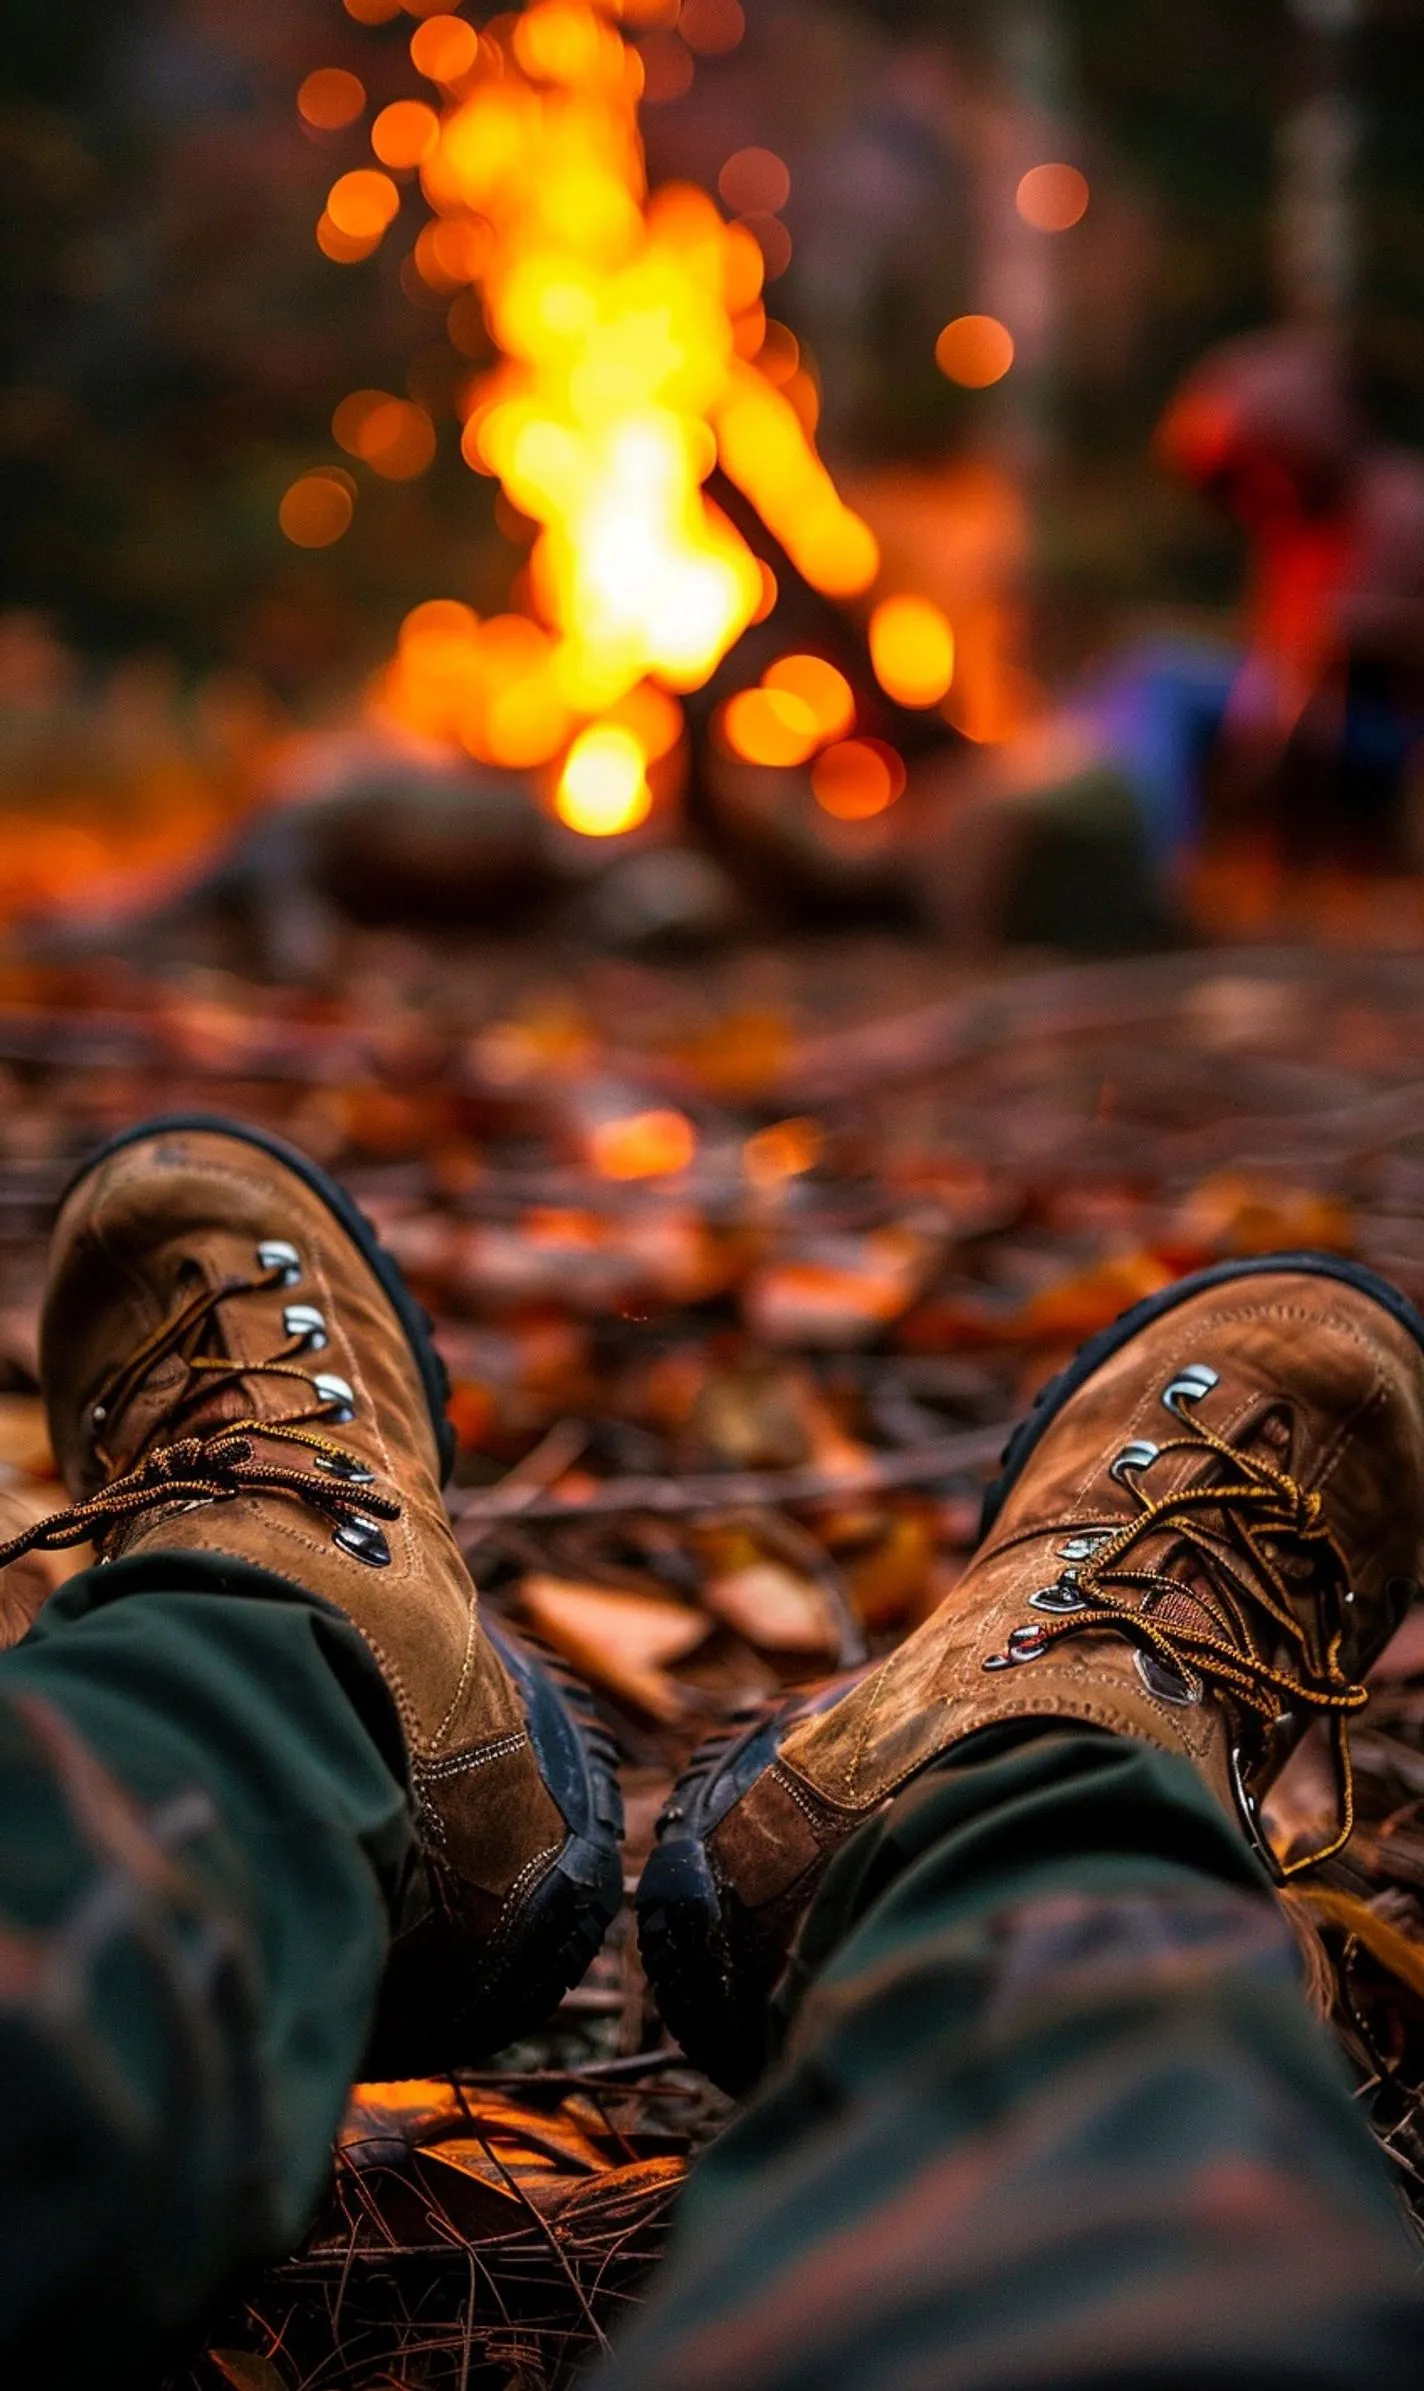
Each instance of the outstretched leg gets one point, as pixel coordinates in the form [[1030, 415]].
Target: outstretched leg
[[206, 1841], [1052, 2112]]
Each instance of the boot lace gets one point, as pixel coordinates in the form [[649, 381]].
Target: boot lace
[[1229, 1623], [219, 1463]]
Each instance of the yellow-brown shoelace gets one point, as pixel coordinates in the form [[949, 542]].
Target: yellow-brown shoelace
[[223, 1462], [1237, 1604]]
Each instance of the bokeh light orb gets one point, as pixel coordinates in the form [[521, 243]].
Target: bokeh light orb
[[857, 779], [603, 788], [330, 98], [317, 508], [755, 182], [1052, 198], [912, 650], [975, 351]]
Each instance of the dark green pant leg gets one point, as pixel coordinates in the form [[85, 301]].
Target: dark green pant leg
[[203, 1829], [1052, 2114]]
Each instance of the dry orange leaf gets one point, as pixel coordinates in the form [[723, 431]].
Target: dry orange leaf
[[840, 1292], [774, 1608], [831, 1449], [623, 1642], [24, 1437], [471, 1409], [29, 1582], [752, 1415], [1077, 1306], [889, 1581], [246, 2371], [1235, 1212], [740, 1058], [386, 2122]]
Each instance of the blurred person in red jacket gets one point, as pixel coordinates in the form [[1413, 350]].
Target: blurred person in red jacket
[[1321, 732]]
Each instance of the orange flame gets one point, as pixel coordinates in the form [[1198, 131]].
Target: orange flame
[[630, 329]]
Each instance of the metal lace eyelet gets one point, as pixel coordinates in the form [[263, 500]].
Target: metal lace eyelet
[[1059, 1599], [335, 1392], [364, 1540], [346, 1467], [1081, 1548], [1140, 1454], [275, 1253], [1181, 1687], [1193, 1381], [1026, 1643], [305, 1321]]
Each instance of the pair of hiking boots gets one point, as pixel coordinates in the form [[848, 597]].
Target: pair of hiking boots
[[1202, 1537]]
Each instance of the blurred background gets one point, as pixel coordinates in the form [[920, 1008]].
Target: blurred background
[[1105, 679]]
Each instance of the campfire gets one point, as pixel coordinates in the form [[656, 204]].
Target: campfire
[[636, 373]]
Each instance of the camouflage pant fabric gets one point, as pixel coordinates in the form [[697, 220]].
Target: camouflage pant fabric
[[1051, 2114], [203, 1822], [1051, 2110]]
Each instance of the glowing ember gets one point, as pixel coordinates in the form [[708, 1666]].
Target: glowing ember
[[912, 650], [362, 204], [603, 788], [630, 329], [711, 26]]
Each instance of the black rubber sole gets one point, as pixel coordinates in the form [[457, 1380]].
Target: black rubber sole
[[440, 2010], [710, 1979], [565, 1918], [434, 1377]]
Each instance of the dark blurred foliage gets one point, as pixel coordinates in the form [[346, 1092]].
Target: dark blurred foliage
[[172, 344]]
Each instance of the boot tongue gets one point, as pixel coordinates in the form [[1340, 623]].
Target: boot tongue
[[151, 1419], [1265, 1434]]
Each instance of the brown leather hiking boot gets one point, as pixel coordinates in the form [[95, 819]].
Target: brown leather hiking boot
[[1202, 1537], [233, 1367]]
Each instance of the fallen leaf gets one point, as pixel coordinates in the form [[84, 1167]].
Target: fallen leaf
[[739, 1058], [1237, 1213], [470, 1409], [1077, 1306], [24, 1436], [752, 1415], [838, 1291], [246, 2371], [774, 1608], [831, 1450], [623, 1642], [887, 1582], [385, 2123], [28, 1583]]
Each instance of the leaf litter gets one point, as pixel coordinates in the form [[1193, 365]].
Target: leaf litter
[[741, 1273]]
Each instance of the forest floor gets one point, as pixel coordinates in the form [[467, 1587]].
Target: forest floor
[[740, 1273]]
